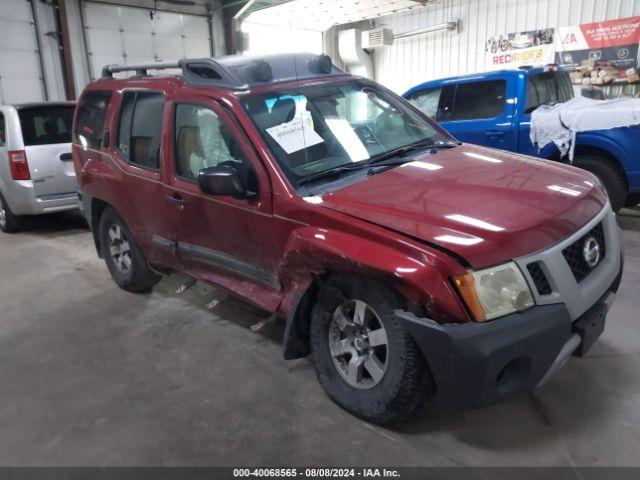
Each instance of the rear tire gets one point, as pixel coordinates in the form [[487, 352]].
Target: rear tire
[[126, 262], [609, 176], [371, 366], [9, 223]]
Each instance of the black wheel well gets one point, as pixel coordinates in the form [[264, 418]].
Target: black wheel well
[[97, 208], [296, 341], [605, 155]]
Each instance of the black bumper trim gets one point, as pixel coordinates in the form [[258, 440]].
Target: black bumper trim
[[477, 364]]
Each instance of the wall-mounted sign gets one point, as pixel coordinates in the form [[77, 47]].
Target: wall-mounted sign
[[596, 53], [534, 47], [600, 53]]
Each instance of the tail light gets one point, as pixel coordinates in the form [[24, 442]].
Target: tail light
[[18, 165]]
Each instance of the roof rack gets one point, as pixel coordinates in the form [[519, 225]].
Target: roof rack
[[238, 71]]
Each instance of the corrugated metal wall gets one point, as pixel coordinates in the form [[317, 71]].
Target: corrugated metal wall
[[427, 57]]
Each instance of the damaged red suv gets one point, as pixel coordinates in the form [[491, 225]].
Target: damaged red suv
[[410, 266]]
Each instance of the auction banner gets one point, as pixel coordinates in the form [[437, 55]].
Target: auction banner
[[600, 53], [534, 47]]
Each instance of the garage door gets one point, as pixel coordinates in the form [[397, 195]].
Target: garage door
[[20, 73], [127, 35]]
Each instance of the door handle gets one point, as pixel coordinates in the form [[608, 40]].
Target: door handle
[[176, 200], [65, 157], [494, 134]]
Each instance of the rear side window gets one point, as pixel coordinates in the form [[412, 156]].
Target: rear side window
[[546, 89], [427, 100], [90, 121], [140, 127], [46, 125], [478, 100]]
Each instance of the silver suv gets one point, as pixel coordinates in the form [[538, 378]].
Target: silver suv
[[36, 171]]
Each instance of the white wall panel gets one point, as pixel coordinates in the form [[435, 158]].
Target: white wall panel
[[427, 57], [268, 39], [127, 35], [21, 78]]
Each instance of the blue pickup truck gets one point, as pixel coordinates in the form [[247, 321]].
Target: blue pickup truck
[[494, 109]]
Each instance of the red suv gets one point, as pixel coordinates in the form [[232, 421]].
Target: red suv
[[410, 266]]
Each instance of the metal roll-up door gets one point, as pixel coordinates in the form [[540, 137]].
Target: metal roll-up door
[[21, 77], [127, 35]]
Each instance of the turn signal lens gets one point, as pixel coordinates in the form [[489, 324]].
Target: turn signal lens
[[18, 165], [467, 288]]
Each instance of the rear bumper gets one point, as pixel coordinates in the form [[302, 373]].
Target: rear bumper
[[23, 201], [57, 203], [478, 364]]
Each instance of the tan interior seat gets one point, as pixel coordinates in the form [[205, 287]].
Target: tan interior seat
[[189, 142]]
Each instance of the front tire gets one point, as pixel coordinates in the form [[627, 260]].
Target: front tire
[[364, 357], [126, 262], [609, 176], [9, 223]]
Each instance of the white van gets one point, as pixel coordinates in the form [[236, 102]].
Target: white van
[[36, 171]]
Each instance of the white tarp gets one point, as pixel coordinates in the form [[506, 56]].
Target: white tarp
[[560, 123]]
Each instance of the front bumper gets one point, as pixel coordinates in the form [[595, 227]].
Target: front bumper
[[478, 364]]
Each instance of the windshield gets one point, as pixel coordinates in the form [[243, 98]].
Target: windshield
[[317, 128], [46, 125], [548, 88]]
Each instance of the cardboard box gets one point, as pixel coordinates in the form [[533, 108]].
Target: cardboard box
[[576, 77]]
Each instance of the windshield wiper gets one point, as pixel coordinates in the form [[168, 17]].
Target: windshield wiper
[[377, 160], [379, 167], [332, 172], [399, 152]]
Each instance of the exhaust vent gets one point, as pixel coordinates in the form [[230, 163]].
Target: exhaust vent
[[376, 38]]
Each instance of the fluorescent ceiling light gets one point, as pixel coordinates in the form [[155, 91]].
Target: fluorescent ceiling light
[[441, 27], [474, 222], [564, 190], [484, 158], [459, 240], [423, 165]]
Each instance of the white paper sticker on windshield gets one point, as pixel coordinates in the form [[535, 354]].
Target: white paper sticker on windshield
[[292, 137]]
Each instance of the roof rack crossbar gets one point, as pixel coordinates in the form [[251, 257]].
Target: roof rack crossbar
[[236, 71], [139, 68], [218, 73]]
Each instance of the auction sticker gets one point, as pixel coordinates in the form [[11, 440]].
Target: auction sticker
[[293, 136]]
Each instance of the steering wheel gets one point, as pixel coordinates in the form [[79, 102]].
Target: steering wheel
[[387, 127]]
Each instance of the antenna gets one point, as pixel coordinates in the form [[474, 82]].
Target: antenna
[[304, 139]]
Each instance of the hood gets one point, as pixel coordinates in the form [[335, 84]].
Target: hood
[[488, 206]]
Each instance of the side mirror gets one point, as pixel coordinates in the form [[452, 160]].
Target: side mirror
[[223, 180]]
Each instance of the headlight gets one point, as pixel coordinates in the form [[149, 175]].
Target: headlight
[[495, 292]]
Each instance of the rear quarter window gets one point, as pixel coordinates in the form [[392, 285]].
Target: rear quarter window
[[547, 88], [46, 125], [140, 128], [91, 114]]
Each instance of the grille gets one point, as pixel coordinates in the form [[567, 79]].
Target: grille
[[575, 258], [539, 278]]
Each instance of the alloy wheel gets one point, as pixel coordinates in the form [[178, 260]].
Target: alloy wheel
[[119, 249], [358, 344]]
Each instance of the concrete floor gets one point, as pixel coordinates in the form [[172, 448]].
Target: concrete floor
[[92, 375]]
